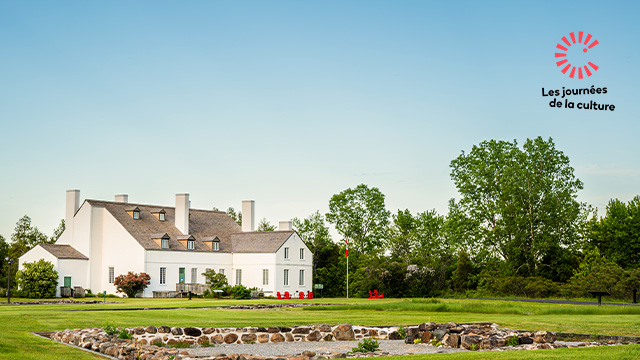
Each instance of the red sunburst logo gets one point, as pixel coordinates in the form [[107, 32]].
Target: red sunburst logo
[[585, 47]]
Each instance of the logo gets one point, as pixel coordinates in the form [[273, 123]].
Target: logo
[[573, 54]]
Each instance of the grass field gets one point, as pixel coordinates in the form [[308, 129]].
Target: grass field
[[16, 322]]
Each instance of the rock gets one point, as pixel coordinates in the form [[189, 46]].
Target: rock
[[328, 337], [217, 339], [288, 337], [248, 338], [172, 342], [142, 342], [261, 329], [150, 330], [542, 337], [343, 332], [439, 333], [426, 336], [277, 338], [204, 339], [284, 329], [273, 329], [323, 327], [466, 341], [337, 356], [523, 340], [230, 338], [450, 325], [176, 331], [263, 338], [457, 329], [412, 334], [138, 330], [164, 329], [394, 336], [300, 330], [315, 335], [453, 340], [191, 331], [309, 353], [492, 342], [427, 326], [208, 330], [373, 332]]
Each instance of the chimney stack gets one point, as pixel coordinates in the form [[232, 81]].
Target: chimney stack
[[248, 215], [182, 213], [73, 203], [122, 198], [285, 225]]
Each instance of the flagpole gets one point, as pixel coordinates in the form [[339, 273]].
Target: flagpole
[[347, 266]]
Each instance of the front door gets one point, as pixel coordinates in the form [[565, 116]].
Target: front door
[[67, 281], [181, 275]]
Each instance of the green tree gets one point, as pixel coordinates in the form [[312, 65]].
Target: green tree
[[237, 217], [617, 234], [4, 266], [361, 214], [132, 283], [57, 232], [523, 199], [38, 279], [265, 225], [24, 238], [216, 281], [402, 238]]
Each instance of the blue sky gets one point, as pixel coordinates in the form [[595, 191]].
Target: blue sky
[[290, 102]]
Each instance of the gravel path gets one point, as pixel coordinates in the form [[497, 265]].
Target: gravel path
[[393, 347]]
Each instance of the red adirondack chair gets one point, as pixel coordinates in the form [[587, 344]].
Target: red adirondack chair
[[301, 295], [376, 295], [279, 296], [310, 295], [286, 295], [371, 295]]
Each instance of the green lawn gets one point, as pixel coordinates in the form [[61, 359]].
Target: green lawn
[[16, 322]]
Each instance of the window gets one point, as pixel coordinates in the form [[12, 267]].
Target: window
[[215, 246], [301, 283], [194, 275], [161, 216], [163, 275], [191, 244], [165, 243], [302, 254], [221, 271], [111, 275], [286, 253], [286, 277], [238, 276], [136, 214], [265, 276]]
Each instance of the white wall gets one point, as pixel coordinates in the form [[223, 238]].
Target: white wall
[[117, 249], [75, 268], [294, 265], [174, 260], [252, 266]]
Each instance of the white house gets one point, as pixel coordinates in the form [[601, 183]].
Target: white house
[[174, 245]]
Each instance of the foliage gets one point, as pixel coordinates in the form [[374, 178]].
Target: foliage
[[239, 291], [523, 200], [215, 280], [617, 234], [125, 334], [265, 225], [57, 232], [4, 266], [132, 283], [237, 217], [435, 342], [24, 238], [38, 279], [463, 278], [513, 341], [598, 273], [496, 284], [402, 332], [417, 341], [360, 213], [474, 347], [110, 330], [367, 345]]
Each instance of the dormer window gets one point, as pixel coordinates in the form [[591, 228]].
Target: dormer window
[[188, 241], [215, 246], [161, 216], [191, 244], [165, 243], [134, 213], [162, 240]]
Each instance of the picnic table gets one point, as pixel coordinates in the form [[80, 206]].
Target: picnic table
[[599, 295]]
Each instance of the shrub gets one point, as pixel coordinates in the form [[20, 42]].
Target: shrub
[[367, 345], [38, 280], [238, 291], [131, 283], [513, 341], [402, 332], [125, 334], [417, 341], [216, 281], [110, 330]]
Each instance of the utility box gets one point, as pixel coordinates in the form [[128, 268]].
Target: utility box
[[65, 291], [78, 292]]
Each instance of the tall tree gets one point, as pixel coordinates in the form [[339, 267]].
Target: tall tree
[[57, 232], [4, 266], [237, 217], [617, 234], [361, 214], [523, 199], [315, 234], [265, 225], [402, 239]]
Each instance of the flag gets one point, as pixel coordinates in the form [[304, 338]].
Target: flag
[[347, 245]]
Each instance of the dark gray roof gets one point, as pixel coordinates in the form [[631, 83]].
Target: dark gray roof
[[259, 242], [202, 224], [63, 251]]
